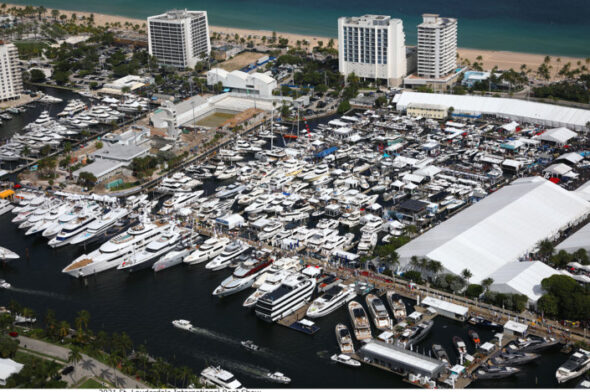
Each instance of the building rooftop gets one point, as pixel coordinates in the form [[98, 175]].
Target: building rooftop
[[177, 15], [400, 355]]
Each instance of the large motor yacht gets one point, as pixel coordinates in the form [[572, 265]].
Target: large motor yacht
[[211, 248], [111, 253], [72, 229], [220, 378], [331, 300], [244, 275], [273, 280], [379, 312], [101, 225], [286, 299], [152, 252], [360, 321], [231, 251]]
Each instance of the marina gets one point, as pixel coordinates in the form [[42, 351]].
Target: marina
[[317, 214]]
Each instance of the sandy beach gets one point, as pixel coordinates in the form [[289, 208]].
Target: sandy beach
[[504, 60]]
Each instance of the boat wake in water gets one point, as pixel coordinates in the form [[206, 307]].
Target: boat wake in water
[[214, 335], [41, 293]]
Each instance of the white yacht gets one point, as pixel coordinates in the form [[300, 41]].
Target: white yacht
[[7, 254], [367, 242], [211, 248], [111, 253], [270, 230], [170, 259], [70, 230], [99, 226], [345, 360], [244, 275], [152, 252], [291, 295], [180, 200], [219, 377], [379, 313], [231, 251], [272, 281], [331, 300], [182, 324], [577, 364], [5, 206]]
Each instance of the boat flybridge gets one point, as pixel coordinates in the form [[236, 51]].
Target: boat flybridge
[[100, 226], [231, 251], [211, 248]]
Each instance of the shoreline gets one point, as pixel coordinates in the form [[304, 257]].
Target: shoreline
[[504, 60]]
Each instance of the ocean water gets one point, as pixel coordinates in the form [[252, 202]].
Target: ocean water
[[533, 26]]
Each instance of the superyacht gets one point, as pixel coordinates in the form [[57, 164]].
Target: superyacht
[[286, 299], [332, 299]]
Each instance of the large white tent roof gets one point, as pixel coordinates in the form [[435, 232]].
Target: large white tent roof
[[501, 228], [579, 240], [514, 109], [522, 278]]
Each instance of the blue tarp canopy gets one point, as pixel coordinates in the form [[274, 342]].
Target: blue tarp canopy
[[326, 152]]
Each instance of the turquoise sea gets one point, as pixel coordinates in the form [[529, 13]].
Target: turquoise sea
[[534, 26]]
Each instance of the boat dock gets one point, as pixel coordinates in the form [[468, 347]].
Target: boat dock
[[297, 322]]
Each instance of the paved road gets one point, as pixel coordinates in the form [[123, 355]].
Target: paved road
[[87, 368]]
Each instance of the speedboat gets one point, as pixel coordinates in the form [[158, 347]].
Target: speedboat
[[5, 206], [481, 322], [232, 250], [378, 312], [474, 337], [243, 277], [249, 345], [345, 360], [278, 377], [360, 321], [7, 254], [182, 324], [331, 300], [577, 364], [344, 339], [4, 284], [211, 248], [486, 372], [219, 377]]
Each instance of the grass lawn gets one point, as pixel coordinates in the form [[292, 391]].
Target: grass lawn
[[93, 384]]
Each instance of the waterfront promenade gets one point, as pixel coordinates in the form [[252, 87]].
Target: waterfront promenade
[[88, 367]]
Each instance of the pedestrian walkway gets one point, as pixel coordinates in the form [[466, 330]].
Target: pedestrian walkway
[[88, 367]]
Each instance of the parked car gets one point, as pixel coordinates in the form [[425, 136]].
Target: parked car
[[67, 370]]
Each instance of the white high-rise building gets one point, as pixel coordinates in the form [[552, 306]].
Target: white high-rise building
[[372, 46], [11, 79], [179, 38], [437, 46]]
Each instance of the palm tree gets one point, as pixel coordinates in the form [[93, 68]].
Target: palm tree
[[466, 274], [546, 248], [435, 267], [84, 317], [486, 283], [74, 356], [114, 360], [415, 262], [185, 372], [64, 329]]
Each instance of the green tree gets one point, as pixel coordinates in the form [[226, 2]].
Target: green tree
[[546, 248], [74, 356], [414, 276], [486, 283], [473, 291], [466, 274], [8, 346], [37, 76], [343, 107]]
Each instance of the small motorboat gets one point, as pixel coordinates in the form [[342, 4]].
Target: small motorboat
[[474, 337], [495, 372], [182, 324], [4, 284], [345, 360], [459, 345], [278, 377], [249, 345]]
